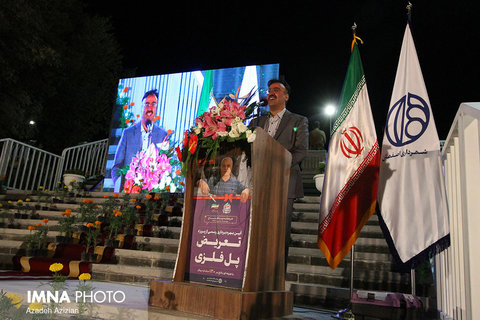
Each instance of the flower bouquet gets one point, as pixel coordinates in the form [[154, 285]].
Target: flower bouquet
[[156, 170], [224, 122]]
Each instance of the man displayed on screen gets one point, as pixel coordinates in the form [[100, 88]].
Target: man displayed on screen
[[138, 137], [227, 184]]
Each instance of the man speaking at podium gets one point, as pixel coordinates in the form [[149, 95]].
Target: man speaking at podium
[[291, 131], [138, 137]]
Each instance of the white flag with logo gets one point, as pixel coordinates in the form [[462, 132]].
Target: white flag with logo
[[411, 191]]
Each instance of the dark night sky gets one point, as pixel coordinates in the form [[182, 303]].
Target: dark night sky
[[311, 41]]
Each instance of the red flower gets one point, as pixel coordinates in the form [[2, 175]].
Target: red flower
[[128, 186], [125, 107], [125, 89], [132, 103], [179, 153], [185, 139], [136, 189], [192, 143], [169, 131]]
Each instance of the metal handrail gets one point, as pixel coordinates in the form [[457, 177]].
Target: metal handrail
[[26, 167], [89, 158]]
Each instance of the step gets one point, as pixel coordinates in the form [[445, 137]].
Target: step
[[10, 246], [368, 231], [167, 245], [146, 258], [21, 234], [129, 274], [6, 262], [306, 207], [361, 245], [333, 298], [308, 199], [310, 253], [364, 279]]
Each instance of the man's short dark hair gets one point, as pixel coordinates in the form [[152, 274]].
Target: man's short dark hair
[[153, 92], [281, 81]]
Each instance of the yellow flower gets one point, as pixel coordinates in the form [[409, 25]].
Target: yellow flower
[[55, 267], [84, 276], [73, 181], [35, 306], [1, 205], [20, 201], [40, 187], [28, 199], [15, 300]]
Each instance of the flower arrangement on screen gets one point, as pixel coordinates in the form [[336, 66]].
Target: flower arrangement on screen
[[154, 170], [226, 121]]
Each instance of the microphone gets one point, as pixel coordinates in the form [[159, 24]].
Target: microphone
[[149, 125], [262, 103]]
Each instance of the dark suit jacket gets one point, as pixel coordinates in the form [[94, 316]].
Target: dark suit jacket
[[130, 143], [292, 134]]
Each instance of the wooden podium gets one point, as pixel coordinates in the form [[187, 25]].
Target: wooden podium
[[263, 293]]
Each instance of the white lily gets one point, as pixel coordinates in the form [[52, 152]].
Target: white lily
[[251, 135]]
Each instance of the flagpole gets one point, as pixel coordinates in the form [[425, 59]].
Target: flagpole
[[351, 271], [412, 280], [347, 312], [412, 270]]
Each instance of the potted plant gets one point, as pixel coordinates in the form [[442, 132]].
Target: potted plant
[[43, 198], [66, 227], [318, 178], [32, 241], [93, 230], [3, 217], [73, 178], [59, 193], [116, 222], [129, 215], [21, 210]]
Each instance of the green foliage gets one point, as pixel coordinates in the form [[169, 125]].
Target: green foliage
[[321, 167], [59, 67], [79, 172]]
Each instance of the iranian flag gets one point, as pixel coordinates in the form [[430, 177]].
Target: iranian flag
[[351, 177]]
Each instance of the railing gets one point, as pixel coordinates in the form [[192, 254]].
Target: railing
[[27, 168], [311, 163], [457, 268], [89, 158]]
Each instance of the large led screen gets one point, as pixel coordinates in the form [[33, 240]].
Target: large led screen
[[168, 104]]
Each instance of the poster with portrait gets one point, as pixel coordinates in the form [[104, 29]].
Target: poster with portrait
[[221, 221]]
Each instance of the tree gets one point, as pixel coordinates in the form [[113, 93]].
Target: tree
[[59, 66]]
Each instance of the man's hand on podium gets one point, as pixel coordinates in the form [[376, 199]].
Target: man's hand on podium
[[204, 188], [244, 195]]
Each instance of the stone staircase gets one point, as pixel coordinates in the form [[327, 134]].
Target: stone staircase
[[313, 282]]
